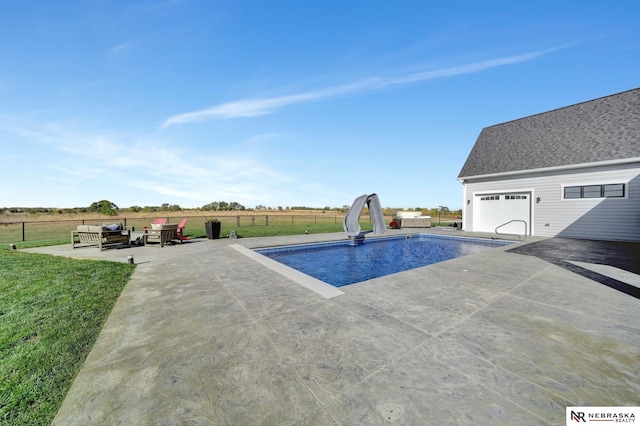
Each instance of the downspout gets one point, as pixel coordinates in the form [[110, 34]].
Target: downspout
[[465, 206]]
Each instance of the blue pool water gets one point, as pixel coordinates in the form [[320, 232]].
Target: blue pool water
[[340, 263]]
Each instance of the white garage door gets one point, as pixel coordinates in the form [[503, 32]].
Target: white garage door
[[493, 210]]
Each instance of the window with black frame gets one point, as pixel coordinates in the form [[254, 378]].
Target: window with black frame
[[612, 190]]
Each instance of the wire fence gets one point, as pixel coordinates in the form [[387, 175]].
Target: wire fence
[[42, 230]]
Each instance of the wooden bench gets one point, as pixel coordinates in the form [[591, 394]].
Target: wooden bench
[[96, 235], [163, 233]]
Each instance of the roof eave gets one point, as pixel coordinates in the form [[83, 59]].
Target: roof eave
[[616, 162]]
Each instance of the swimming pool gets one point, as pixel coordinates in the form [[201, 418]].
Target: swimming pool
[[340, 263]]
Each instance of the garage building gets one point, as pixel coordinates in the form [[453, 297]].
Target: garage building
[[572, 172]]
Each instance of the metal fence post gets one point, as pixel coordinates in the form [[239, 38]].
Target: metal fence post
[[23, 232]]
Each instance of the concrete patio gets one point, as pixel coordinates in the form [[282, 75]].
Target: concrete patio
[[205, 335]]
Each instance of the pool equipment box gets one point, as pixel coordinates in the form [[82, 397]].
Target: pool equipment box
[[413, 220]]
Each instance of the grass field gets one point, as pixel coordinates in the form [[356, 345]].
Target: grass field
[[50, 232], [51, 312], [39, 230]]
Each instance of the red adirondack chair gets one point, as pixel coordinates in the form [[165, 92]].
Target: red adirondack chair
[[181, 226]]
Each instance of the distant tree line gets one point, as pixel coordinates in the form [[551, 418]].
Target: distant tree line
[[165, 207], [109, 208], [223, 206]]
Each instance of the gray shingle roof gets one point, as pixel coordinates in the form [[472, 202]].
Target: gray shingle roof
[[598, 130]]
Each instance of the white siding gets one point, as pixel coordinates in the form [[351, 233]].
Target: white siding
[[467, 208], [596, 218]]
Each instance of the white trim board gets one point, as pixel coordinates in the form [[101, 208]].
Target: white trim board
[[579, 166]]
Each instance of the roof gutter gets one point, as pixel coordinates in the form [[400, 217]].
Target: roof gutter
[[556, 168]]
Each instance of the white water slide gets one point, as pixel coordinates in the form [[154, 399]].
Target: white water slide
[[351, 221]]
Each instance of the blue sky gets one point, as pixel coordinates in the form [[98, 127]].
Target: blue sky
[[284, 103]]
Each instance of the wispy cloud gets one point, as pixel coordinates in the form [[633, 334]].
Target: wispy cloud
[[121, 49], [82, 158], [262, 106]]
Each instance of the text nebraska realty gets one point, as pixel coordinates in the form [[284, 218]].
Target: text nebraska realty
[[579, 416]]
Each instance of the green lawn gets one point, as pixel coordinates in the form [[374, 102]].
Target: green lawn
[[51, 312], [34, 234], [283, 229]]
